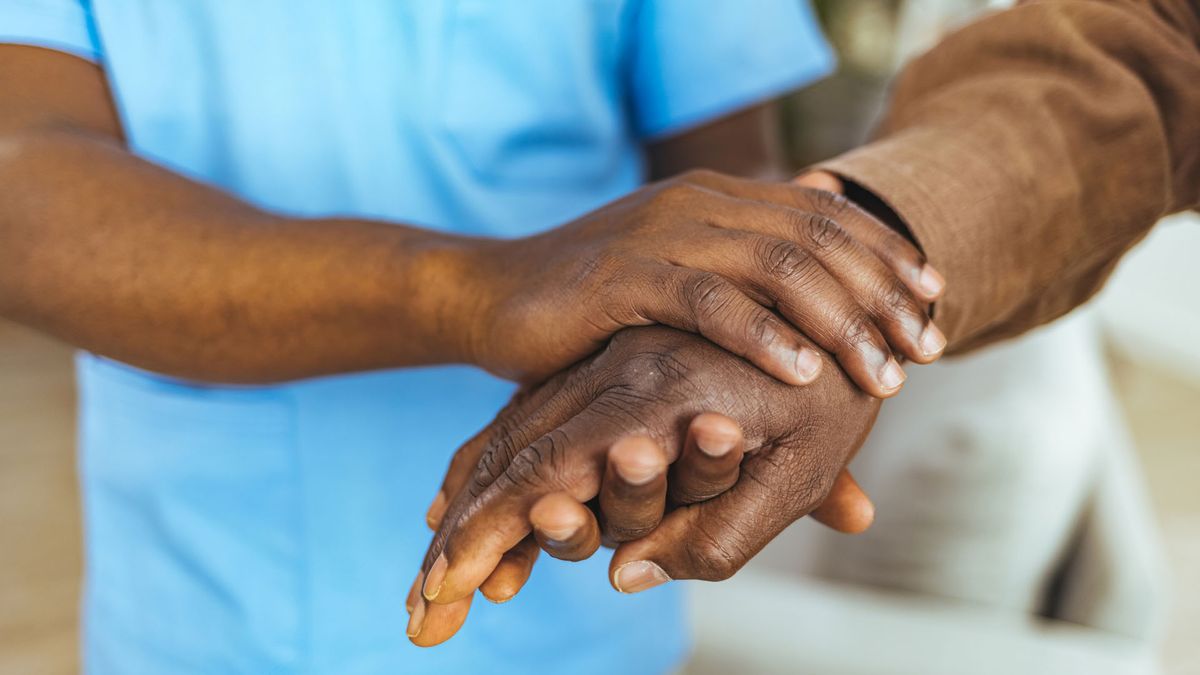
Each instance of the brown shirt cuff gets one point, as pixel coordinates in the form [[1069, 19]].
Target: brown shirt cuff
[[923, 177]]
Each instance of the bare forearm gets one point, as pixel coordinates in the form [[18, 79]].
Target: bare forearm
[[745, 143], [123, 258]]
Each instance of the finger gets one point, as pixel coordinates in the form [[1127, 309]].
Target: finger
[[896, 248], [712, 540], [462, 464], [900, 254], [564, 528], [414, 593], [486, 526], [709, 465], [634, 492], [820, 180], [536, 414], [431, 624], [511, 573], [465, 460], [555, 407], [798, 241], [818, 304], [847, 509], [706, 303]]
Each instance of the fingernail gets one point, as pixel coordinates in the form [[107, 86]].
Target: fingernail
[[414, 593], [433, 517], [932, 340], [638, 473], [931, 281], [639, 575], [715, 447], [891, 376], [415, 621], [437, 574], [562, 533], [807, 365]]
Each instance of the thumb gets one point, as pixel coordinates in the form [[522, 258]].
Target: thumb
[[712, 540], [847, 509]]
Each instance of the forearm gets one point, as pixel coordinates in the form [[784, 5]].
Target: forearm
[[746, 143], [1029, 151], [120, 257]]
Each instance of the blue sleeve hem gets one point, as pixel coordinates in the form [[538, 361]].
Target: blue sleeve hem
[[692, 66], [61, 25], [86, 53]]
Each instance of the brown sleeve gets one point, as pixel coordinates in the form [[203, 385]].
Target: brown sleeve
[[1029, 151]]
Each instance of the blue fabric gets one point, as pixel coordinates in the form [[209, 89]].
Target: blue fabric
[[276, 529]]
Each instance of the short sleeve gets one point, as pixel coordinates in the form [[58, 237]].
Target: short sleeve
[[64, 25], [693, 61]]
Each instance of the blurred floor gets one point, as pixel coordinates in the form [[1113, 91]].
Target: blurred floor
[[40, 544], [40, 535]]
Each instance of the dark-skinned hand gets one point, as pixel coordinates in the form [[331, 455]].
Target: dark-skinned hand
[[554, 442], [750, 265], [635, 494]]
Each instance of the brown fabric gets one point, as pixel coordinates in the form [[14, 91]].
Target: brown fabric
[[1027, 152]]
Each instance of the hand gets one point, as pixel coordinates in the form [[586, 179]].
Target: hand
[[632, 500], [713, 255], [650, 381]]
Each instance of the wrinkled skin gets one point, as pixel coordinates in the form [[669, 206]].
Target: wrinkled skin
[[756, 267], [651, 381]]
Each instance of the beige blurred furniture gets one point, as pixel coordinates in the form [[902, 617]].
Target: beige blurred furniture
[[1013, 535], [764, 625]]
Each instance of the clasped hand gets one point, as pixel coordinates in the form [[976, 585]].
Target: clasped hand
[[752, 266], [694, 456]]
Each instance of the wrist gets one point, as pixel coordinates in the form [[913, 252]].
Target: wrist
[[422, 294], [491, 312], [459, 293]]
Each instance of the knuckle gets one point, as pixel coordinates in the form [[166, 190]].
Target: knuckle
[[524, 471], [897, 300], [824, 232], [644, 384], [785, 261], [481, 479], [828, 203], [808, 473], [506, 445], [812, 490], [856, 329], [708, 295], [492, 464], [763, 328], [540, 464], [694, 492], [623, 532], [625, 404], [550, 453], [716, 557], [673, 196]]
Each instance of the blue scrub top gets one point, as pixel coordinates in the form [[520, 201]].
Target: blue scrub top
[[277, 529]]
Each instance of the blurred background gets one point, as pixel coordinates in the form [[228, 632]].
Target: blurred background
[[1035, 546]]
